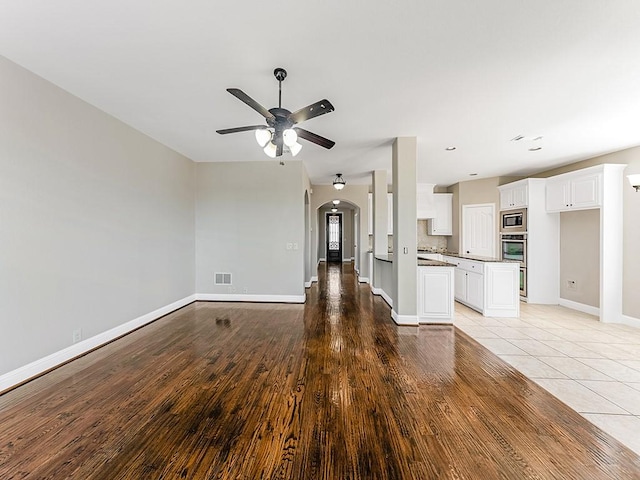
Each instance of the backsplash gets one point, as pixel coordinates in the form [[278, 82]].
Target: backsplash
[[430, 242], [436, 243]]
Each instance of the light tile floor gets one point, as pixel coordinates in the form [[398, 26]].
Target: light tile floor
[[591, 366]]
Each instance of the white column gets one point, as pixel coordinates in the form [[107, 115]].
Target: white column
[[404, 231], [380, 219]]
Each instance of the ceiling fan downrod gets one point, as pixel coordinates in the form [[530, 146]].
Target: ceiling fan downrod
[[280, 74]]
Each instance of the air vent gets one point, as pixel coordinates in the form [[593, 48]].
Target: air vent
[[222, 278]]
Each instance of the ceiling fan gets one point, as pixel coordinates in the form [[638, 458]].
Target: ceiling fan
[[280, 131]]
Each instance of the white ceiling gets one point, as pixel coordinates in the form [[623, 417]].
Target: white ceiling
[[473, 74]]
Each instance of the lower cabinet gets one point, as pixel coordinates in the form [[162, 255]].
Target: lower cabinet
[[491, 288], [435, 294], [469, 288]]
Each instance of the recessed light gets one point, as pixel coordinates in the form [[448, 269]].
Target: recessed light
[[473, 174], [535, 149], [537, 138], [516, 138], [450, 149]]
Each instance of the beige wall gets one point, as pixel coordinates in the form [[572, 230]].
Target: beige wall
[[579, 256], [631, 229], [246, 214], [96, 220], [472, 192]]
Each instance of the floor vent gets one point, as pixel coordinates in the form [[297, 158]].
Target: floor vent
[[223, 278]]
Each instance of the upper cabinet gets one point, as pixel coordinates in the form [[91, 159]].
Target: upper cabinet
[[574, 191], [441, 223], [425, 204], [514, 195]]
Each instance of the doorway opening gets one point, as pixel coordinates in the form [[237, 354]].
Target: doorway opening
[[334, 237]]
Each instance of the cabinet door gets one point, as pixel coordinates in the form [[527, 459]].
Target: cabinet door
[[434, 294], [506, 199], [475, 290], [425, 206], [390, 214], [442, 223], [585, 191], [460, 287], [370, 214], [558, 193], [520, 196]]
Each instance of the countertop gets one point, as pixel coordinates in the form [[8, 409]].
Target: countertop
[[465, 256], [421, 262]]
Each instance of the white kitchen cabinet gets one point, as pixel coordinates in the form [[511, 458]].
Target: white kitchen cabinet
[[475, 290], [435, 294], [425, 205], [492, 288], [370, 199], [442, 222], [574, 191], [514, 195], [390, 213]]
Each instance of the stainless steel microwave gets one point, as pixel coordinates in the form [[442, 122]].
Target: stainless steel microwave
[[513, 221]]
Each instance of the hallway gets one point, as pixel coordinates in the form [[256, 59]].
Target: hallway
[[327, 390]]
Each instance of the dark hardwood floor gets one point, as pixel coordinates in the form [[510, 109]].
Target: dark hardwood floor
[[328, 390]]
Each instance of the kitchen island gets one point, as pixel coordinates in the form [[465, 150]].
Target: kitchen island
[[435, 283], [489, 285]]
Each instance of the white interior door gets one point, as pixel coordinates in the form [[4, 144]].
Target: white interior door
[[478, 230]]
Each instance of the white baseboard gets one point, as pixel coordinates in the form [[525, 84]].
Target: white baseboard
[[363, 279], [411, 320], [631, 321], [314, 279], [581, 307], [307, 284], [38, 367], [243, 297], [383, 294], [321, 260]]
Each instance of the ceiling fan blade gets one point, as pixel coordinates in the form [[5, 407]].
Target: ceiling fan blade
[[240, 95], [314, 138], [311, 111], [240, 129]]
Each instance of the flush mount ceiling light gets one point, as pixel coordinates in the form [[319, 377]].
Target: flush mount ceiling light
[[450, 149], [280, 135], [334, 209], [336, 202], [338, 182], [634, 180]]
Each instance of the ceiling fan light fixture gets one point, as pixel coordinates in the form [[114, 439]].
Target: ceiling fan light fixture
[[339, 182], [295, 149], [290, 137], [263, 136], [271, 150]]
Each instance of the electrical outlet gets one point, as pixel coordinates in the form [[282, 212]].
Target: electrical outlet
[[245, 290], [289, 246], [77, 335], [295, 246]]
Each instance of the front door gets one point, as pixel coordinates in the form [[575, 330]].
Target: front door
[[334, 237]]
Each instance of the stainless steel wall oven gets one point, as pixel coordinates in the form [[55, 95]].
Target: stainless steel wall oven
[[514, 247]]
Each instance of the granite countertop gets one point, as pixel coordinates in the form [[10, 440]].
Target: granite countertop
[[421, 262], [478, 258]]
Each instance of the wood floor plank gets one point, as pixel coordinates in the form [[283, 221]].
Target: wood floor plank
[[327, 390]]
